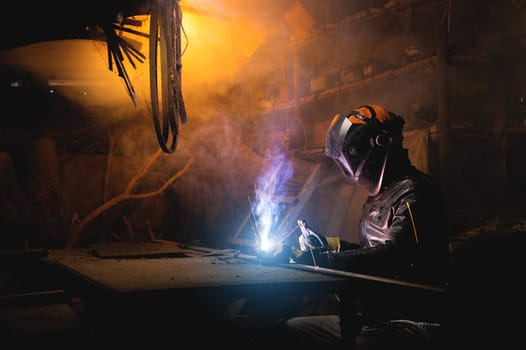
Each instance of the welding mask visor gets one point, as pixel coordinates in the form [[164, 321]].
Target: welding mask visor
[[358, 150]]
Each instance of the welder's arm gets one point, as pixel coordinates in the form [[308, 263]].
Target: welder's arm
[[394, 254], [366, 260]]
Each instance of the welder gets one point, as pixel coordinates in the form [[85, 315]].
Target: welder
[[403, 227]]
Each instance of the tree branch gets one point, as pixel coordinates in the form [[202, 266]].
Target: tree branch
[[75, 233]]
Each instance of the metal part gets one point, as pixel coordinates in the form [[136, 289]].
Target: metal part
[[371, 278]]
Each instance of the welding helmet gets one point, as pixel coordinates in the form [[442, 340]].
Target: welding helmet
[[360, 143]]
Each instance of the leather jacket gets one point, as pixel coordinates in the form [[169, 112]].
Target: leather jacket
[[403, 231]]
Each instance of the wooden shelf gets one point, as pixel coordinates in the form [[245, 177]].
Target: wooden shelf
[[388, 74], [359, 18], [354, 20], [349, 87]]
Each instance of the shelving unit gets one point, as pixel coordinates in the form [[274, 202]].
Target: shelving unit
[[318, 53], [427, 62]]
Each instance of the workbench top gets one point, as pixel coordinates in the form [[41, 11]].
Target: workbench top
[[189, 269]]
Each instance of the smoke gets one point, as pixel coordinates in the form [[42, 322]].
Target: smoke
[[237, 70], [221, 38]]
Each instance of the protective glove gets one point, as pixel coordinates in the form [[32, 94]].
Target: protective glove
[[309, 239]]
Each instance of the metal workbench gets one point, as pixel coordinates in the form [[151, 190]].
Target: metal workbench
[[133, 289]]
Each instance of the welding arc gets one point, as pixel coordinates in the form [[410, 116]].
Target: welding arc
[[287, 235], [256, 232], [165, 23]]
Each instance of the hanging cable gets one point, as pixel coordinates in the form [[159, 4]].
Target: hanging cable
[[118, 48], [165, 51], [168, 108]]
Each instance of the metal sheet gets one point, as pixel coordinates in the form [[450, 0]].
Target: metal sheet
[[134, 275]]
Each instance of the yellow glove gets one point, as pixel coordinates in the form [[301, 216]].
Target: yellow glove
[[334, 243]]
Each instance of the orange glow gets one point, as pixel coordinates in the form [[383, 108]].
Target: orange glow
[[214, 47], [217, 48]]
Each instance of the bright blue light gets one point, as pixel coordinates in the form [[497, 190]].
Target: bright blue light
[[266, 206]]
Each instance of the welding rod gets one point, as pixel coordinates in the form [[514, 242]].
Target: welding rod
[[372, 278]]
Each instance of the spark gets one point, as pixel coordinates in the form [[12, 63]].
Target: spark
[[266, 208]]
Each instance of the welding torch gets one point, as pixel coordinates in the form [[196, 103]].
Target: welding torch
[[308, 239]]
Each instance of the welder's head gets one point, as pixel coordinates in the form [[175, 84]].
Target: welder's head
[[360, 143]]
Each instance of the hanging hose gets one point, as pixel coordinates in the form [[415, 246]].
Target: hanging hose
[[165, 65], [165, 49]]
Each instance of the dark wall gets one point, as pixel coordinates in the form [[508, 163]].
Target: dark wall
[[355, 53]]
